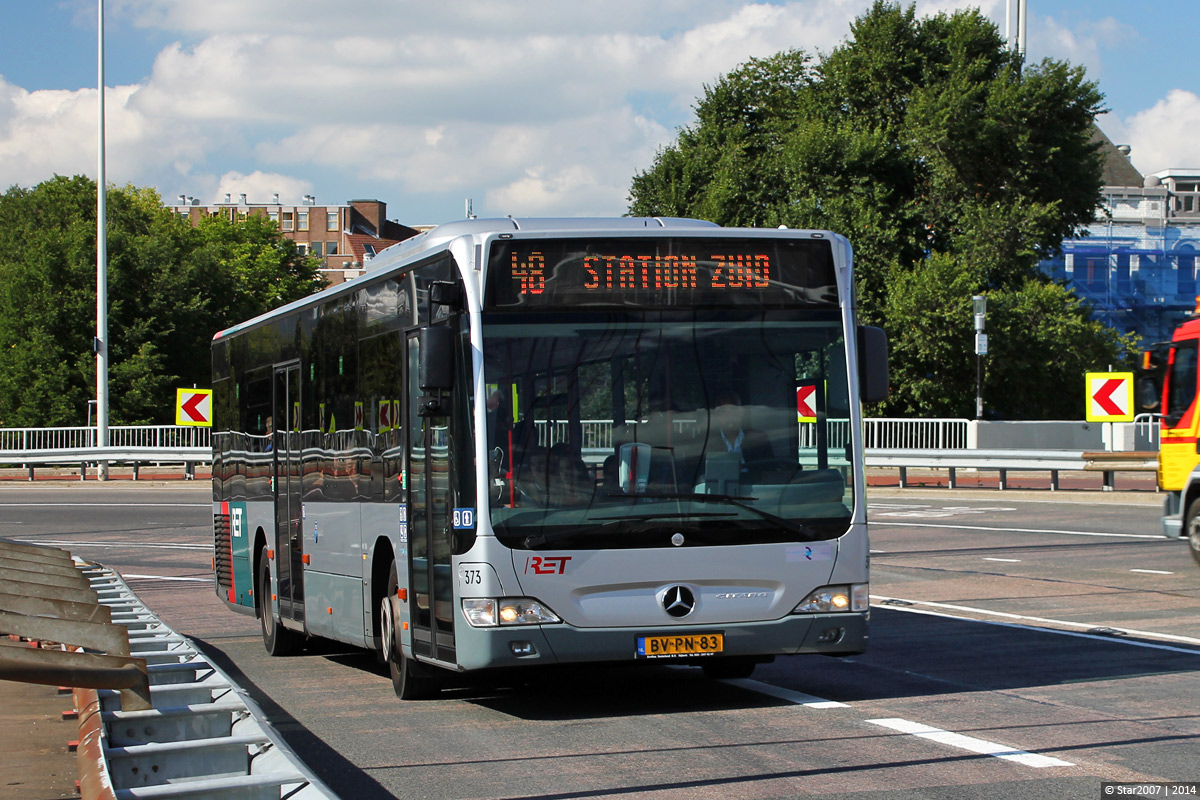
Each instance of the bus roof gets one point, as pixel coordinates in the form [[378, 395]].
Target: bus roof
[[440, 234]]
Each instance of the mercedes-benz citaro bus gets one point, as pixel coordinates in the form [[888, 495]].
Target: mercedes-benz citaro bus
[[514, 443]]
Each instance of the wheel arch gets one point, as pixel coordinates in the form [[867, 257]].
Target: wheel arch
[[382, 558], [256, 553]]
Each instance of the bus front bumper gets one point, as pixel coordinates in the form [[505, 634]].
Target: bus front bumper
[[827, 634]]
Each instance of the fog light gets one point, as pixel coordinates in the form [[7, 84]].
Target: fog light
[[831, 635], [522, 648]]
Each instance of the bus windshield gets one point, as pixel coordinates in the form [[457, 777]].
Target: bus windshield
[[658, 428]]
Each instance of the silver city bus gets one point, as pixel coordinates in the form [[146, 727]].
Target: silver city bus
[[529, 442]]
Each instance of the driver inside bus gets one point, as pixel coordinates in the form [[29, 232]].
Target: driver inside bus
[[752, 447]]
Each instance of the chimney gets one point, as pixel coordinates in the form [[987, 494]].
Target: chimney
[[242, 199], [275, 199], [228, 197]]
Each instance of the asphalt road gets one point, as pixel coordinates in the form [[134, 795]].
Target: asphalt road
[[1023, 645]]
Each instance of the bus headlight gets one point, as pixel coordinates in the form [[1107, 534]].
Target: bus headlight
[[830, 599], [490, 612]]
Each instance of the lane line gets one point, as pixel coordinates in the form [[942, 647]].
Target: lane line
[[1005, 560], [799, 698], [168, 578], [1152, 571], [136, 545], [105, 505], [970, 743], [1019, 530], [1067, 623]]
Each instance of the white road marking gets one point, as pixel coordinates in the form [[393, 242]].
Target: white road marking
[[799, 698], [1005, 560], [1021, 530], [168, 578], [970, 743], [1065, 623], [1152, 571], [134, 545], [105, 505]]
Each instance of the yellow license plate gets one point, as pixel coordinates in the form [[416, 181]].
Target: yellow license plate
[[693, 644]]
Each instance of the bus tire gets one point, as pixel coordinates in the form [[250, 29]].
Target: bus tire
[[278, 640], [720, 669], [1191, 528], [410, 681]]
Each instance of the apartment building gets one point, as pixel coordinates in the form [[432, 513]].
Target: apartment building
[[344, 236]]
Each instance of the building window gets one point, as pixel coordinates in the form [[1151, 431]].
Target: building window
[[273, 215], [288, 221], [316, 249], [301, 220], [302, 248], [331, 220], [331, 248]]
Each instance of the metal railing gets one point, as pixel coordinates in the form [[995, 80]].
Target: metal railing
[[909, 434], [165, 436]]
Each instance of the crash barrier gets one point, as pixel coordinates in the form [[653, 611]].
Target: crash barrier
[[929, 443], [1005, 461], [189, 457], [184, 731]]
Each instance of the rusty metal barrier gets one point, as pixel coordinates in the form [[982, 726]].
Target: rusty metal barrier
[[50, 599], [196, 735]]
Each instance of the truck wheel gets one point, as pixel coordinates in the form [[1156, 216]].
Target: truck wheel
[[1191, 528]]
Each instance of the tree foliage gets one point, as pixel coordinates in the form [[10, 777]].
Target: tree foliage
[[170, 288], [953, 169]]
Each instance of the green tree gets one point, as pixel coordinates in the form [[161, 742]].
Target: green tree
[[170, 288], [952, 168]]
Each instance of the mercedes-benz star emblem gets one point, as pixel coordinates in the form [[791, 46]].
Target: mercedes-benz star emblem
[[679, 601]]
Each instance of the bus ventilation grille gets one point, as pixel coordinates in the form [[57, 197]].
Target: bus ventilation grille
[[223, 550]]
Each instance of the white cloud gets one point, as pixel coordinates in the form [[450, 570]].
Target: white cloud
[[1162, 136], [260, 187], [541, 106]]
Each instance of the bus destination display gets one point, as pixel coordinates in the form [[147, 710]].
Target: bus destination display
[[660, 272]]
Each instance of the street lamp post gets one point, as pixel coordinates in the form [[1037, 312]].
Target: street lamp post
[[101, 340], [979, 302]]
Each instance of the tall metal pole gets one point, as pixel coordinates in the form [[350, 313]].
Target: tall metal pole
[[1021, 19], [101, 344]]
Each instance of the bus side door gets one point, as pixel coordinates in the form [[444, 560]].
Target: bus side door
[[289, 539], [429, 543]]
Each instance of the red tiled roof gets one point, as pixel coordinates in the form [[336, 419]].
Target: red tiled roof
[[360, 241]]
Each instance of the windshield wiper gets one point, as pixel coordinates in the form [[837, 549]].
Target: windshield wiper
[[805, 531], [611, 524]]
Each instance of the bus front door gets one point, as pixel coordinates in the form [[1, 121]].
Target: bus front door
[[289, 539], [429, 523]]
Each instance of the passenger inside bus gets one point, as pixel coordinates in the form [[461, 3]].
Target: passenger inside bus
[[570, 484]]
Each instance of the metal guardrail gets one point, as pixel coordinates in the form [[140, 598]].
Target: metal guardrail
[[901, 443], [82, 456], [156, 436], [1004, 461], [186, 731]]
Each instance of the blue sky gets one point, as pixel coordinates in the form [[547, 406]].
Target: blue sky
[[537, 107]]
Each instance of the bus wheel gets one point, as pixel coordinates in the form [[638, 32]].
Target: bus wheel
[[410, 680], [278, 640], [720, 669], [1191, 527]]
